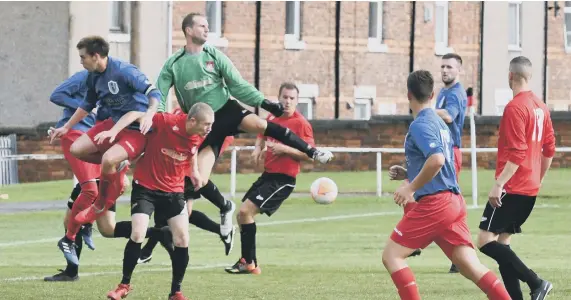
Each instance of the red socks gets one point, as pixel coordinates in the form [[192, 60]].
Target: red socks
[[406, 284], [87, 195], [493, 287]]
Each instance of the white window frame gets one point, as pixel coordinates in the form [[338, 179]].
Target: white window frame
[[215, 37], [377, 43], [441, 48], [309, 102], [121, 33], [517, 46], [368, 108], [292, 41], [364, 95], [566, 10]]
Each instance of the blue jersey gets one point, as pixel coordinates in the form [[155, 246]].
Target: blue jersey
[[428, 135], [454, 100], [121, 88], [69, 95]]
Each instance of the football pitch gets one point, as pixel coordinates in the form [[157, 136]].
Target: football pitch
[[305, 251]]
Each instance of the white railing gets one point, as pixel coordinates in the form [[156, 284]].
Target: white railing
[[379, 151]]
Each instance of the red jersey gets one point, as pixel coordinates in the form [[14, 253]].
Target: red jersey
[[284, 164], [167, 155], [525, 135], [227, 142]]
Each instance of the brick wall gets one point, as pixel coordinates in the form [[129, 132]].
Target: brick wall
[[358, 66], [385, 132]]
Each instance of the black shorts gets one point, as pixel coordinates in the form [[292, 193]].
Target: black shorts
[[75, 193], [270, 191], [226, 122], [189, 192], [510, 216], [164, 205]]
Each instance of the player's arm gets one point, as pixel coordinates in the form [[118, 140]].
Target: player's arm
[[63, 94], [164, 84], [451, 109], [548, 149], [140, 83], [242, 89], [516, 144], [430, 143], [126, 120]]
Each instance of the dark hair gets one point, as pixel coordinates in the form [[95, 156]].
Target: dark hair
[[188, 21], [420, 84], [453, 55], [94, 44], [288, 86]]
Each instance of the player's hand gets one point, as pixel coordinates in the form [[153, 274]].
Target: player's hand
[[57, 133], [197, 181], [397, 173], [146, 123], [276, 148], [102, 136], [495, 196], [257, 155], [403, 195]]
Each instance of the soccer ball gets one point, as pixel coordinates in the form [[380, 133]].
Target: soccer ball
[[324, 190]]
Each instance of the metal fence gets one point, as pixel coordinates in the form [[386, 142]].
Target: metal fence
[[8, 168]]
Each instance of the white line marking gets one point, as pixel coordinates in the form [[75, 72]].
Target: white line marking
[[273, 223], [140, 270]]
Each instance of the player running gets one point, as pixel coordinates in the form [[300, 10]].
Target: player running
[[440, 215], [281, 166], [159, 185], [127, 95], [526, 146], [201, 73]]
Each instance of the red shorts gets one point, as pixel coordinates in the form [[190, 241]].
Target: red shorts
[[457, 161], [132, 141], [439, 218], [84, 171]]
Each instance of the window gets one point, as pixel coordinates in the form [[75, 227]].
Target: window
[[305, 107], [362, 109], [214, 17], [441, 28], [514, 26], [292, 39], [118, 21], [567, 28], [376, 37]]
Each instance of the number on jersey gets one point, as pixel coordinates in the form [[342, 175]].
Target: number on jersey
[[445, 138], [539, 116]]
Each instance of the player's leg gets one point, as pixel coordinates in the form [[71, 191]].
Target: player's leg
[[457, 169], [142, 207], [394, 260], [70, 272], [508, 273], [508, 218], [177, 219], [207, 155], [248, 263], [252, 123], [85, 149], [455, 241]]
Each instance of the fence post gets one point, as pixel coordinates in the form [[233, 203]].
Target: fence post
[[473, 157], [379, 174], [233, 163]]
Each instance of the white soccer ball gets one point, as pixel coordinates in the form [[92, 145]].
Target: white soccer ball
[[324, 190]]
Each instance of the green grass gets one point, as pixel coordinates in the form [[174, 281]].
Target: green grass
[[310, 258], [347, 182]]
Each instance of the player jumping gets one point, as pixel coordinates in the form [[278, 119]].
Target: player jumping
[[126, 94], [159, 185], [201, 73], [440, 215], [526, 146]]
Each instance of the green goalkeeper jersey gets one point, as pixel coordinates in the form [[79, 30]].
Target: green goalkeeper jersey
[[208, 77]]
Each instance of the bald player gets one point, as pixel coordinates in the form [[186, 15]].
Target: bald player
[[526, 145]]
